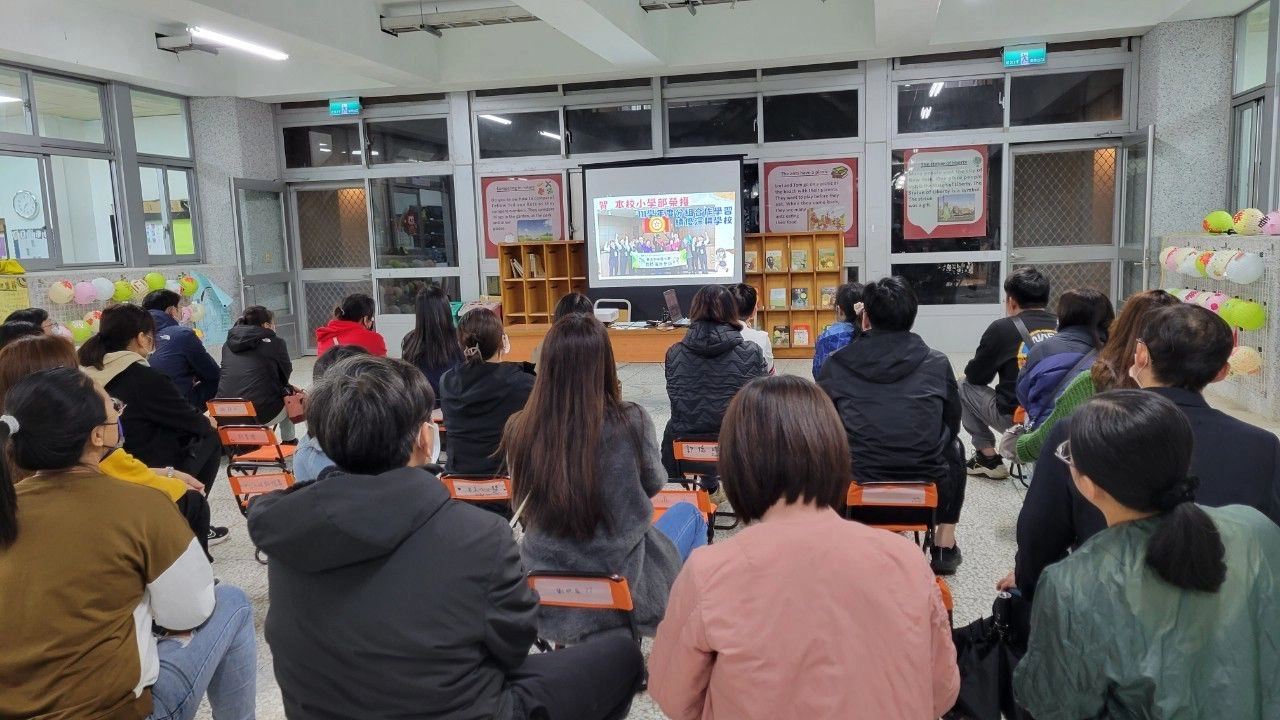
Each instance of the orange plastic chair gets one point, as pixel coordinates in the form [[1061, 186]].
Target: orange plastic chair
[[948, 601], [697, 459], [245, 488], [698, 497], [478, 488], [232, 409], [269, 453], [584, 591], [898, 507]]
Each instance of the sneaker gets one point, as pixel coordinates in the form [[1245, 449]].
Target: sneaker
[[718, 498], [989, 467], [218, 534], [945, 561]]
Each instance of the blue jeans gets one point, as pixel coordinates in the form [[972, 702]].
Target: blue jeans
[[686, 526], [218, 658]]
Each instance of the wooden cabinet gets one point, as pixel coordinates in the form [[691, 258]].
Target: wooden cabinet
[[795, 276], [535, 275]]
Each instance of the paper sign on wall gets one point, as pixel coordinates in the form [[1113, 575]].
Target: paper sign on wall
[[945, 193], [13, 294], [812, 195], [521, 209]]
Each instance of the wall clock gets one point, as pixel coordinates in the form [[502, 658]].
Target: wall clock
[[26, 205]]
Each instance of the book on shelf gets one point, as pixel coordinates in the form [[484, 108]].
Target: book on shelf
[[799, 260], [827, 259], [535, 268], [517, 270], [749, 261], [800, 336], [781, 336], [800, 298], [773, 261], [778, 298], [827, 296]]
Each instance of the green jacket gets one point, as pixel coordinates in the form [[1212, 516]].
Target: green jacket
[[1110, 639], [1076, 393]]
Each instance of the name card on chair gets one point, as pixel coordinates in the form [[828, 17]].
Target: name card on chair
[[555, 591], [893, 495], [491, 490]]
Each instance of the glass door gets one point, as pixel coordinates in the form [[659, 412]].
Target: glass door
[[1137, 257], [265, 262], [331, 225]]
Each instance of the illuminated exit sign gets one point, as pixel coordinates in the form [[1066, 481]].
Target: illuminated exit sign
[[344, 106], [1025, 55]]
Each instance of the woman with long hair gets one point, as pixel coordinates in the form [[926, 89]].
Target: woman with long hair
[[1171, 611], [91, 567], [584, 465], [568, 304], [432, 345], [777, 620], [256, 367], [352, 324]]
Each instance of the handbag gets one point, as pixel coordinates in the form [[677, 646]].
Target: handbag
[[987, 651], [295, 405]]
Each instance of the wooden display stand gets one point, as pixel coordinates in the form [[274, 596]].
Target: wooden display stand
[[795, 276], [535, 275]]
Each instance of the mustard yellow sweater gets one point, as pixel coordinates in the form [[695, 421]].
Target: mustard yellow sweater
[[123, 466]]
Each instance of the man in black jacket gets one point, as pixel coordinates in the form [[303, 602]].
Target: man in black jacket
[[900, 407], [1184, 348], [389, 600], [1001, 352]]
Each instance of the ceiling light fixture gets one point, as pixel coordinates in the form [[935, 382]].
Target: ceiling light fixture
[[218, 38], [925, 112], [936, 89], [497, 119], [7, 99], [551, 135]]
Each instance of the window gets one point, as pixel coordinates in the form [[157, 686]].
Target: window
[[609, 129], [960, 237], [159, 124], [408, 141], [811, 116], [13, 103], [1252, 29], [1066, 98], [68, 109], [398, 295], [960, 283], [22, 206], [950, 105], [1244, 157], [322, 146], [84, 197], [166, 211], [518, 134], [699, 123], [413, 222]]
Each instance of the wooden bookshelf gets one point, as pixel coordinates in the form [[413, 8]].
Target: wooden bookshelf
[[547, 271], [791, 272]]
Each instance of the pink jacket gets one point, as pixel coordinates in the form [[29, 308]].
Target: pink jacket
[[805, 615]]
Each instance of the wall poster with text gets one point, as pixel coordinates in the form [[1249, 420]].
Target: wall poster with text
[[521, 209], [945, 193], [812, 196]]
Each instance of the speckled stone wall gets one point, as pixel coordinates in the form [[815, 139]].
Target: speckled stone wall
[[1184, 89]]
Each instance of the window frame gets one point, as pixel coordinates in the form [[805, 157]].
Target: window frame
[[174, 258], [187, 160], [792, 89], [568, 139], [109, 136], [367, 142]]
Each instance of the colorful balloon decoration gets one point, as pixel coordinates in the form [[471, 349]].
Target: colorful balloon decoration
[[1271, 226], [141, 288], [189, 284], [1202, 262], [1214, 301], [197, 312], [80, 331], [123, 291], [61, 331], [154, 281], [1248, 221], [1248, 315], [84, 293], [62, 292], [1188, 266], [103, 288], [1245, 360], [1167, 258], [92, 318], [1218, 222], [1245, 268], [1218, 264]]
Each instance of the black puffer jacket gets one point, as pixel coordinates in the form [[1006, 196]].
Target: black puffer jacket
[[256, 367], [704, 371]]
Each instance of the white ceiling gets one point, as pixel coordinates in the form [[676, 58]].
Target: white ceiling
[[337, 48]]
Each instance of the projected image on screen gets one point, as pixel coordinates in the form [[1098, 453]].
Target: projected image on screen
[[675, 236]]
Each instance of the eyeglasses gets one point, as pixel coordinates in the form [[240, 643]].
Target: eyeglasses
[[118, 405], [1063, 453]]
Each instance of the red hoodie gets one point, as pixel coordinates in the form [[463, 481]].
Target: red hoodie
[[346, 332]]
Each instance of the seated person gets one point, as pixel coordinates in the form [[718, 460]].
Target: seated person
[[310, 462], [1084, 317], [478, 396], [425, 607], [1171, 611], [704, 370], [89, 563], [748, 300], [11, 330], [352, 324], [898, 401], [179, 353], [1184, 348], [584, 467], [846, 328], [34, 315], [1000, 354], [729, 648], [569, 304], [432, 345], [256, 367]]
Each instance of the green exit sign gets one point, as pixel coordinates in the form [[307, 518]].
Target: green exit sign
[[1025, 55], [344, 106]]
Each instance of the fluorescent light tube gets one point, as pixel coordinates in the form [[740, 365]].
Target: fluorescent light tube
[[925, 112], [497, 119], [936, 89], [7, 99], [551, 135], [218, 38]]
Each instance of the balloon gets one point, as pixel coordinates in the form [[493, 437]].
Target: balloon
[[61, 292], [1271, 226], [92, 318], [1218, 222], [61, 331], [80, 331], [197, 312], [1202, 262], [1248, 221], [1218, 263], [1245, 268], [1167, 258], [1188, 265], [173, 286], [123, 291], [189, 284], [186, 315], [1191, 296], [84, 293], [103, 288], [140, 289], [154, 281], [1214, 301], [1249, 315], [1245, 360]]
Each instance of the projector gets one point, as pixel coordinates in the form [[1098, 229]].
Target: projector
[[606, 315]]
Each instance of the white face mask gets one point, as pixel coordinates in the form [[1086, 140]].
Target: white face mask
[[506, 345], [435, 443]]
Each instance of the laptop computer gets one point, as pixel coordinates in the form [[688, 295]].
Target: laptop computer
[[673, 309]]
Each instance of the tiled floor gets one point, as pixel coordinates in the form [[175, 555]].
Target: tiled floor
[[986, 533]]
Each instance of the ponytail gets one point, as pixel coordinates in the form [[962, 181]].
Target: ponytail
[[354, 308], [480, 335], [92, 353], [255, 315], [1186, 549], [8, 495], [117, 328]]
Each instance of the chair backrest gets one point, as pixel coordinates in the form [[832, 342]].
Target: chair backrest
[[667, 497], [905, 494], [591, 591], [696, 458], [247, 487], [247, 435], [228, 408], [477, 489]]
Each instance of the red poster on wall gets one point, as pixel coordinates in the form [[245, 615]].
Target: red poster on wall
[[945, 193], [521, 209], [812, 195]]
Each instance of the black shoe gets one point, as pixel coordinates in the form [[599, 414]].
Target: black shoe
[[218, 534], [289, 442], [945, 561], [988, 467]]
